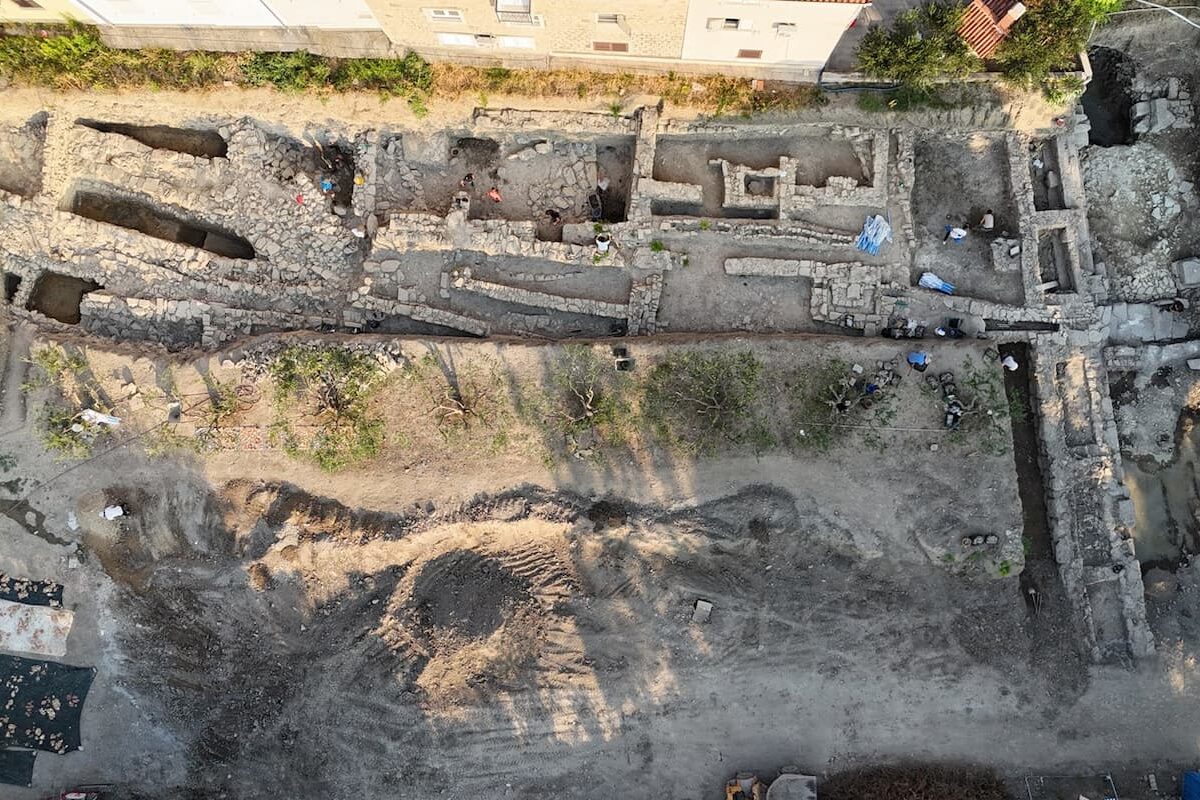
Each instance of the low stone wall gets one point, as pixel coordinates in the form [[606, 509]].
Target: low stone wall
[[524, 120], [644, 298], [462, 281], [691, 194], [1089, 510], [751, 229]]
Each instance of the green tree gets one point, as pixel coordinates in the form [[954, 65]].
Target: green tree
[[1047, 38], [921, 46]]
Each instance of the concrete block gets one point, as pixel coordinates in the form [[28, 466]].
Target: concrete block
[[702, 611]]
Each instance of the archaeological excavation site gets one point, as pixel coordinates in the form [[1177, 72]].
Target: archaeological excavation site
[[537, 451]]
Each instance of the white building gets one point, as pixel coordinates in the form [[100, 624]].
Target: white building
[[334, 14], [786, 32]]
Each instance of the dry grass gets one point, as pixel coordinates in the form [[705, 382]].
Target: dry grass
[[74, 57], [715, 93]]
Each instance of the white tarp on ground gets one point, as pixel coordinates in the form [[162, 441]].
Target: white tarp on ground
[[34, 629]]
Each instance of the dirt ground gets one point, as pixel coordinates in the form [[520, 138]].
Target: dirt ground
[[523, 627], [957, 180]]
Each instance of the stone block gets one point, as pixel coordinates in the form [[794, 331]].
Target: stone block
[[1187, 272]]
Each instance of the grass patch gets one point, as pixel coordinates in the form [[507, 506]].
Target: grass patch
[[65, 377], [904, 98], [334, 387], [986, 409]]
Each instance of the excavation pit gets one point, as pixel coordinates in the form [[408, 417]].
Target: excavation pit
[[1108, 98], [695, 160], [12, 284], [192, 141], [158, 224], [59, 296], [329, 162]]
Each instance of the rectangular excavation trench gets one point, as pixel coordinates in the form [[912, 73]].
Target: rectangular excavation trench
[[159, 224], [1054, 261], [193, 141]]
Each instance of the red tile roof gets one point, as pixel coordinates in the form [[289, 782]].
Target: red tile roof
[[985, 23]]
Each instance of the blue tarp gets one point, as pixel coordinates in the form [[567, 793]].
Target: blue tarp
[[931, 281], [1189, 786], [874, 233]]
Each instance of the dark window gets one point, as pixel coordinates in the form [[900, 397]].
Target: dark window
[[749, 53], [611, 47], [731, 24]]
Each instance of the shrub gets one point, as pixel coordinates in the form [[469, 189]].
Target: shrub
[[587, 393], [1048, 38], [400, 77], [697, 401], [290, 72], [921, 46], [336, 384]]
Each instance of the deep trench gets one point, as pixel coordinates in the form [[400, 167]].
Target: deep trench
[[193, 141], [58, 296], [1108, 98], [145, 219], [1039, 582]]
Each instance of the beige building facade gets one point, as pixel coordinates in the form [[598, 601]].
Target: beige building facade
[[763, 38], [41, 11], [479, 30]]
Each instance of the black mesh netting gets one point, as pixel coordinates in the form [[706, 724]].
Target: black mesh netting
[[30, 591], [41, 703], [16, 767]]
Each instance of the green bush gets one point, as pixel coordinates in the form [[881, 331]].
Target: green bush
[[698, 401], [290, 72], [587, 393], [336, 384], [921, 46], [74, 57], [1047, 39], [400, 77]]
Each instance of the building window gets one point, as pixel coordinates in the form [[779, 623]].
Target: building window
[[609, 19], [25, 4], [517, 42], [749, 53], [611, 47], [728, 24], [515, 12], [785, 28], [444, 14], [456, 39]]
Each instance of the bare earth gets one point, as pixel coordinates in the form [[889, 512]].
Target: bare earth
[[524, 628]]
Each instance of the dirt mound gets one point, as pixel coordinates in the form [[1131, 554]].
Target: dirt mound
[[465, 594]]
